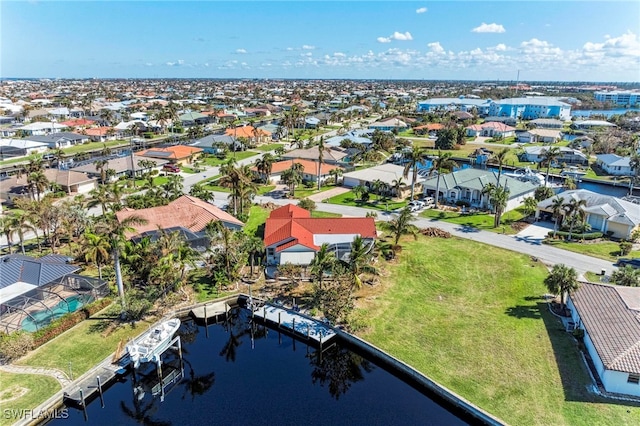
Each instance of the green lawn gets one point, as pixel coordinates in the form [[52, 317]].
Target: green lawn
[[481, 329], [304, 192], [269, 147], [240, 155], [477, 220], [320, 214], [607, 250], [257, 217], [263, 189], [94, 146], [29, 391], [349, 199]]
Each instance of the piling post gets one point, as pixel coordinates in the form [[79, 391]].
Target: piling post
[[264, 313], [294, 325], [84, 405], [279, 318], [308, 330], [100, 391], [159, 369]]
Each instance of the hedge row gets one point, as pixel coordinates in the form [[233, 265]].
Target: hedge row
[[586, 236]]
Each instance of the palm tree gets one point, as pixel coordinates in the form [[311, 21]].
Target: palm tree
[[401, 225], [22, 222], [416, 157], [95, 249], [101, 164], [8, 227], [264, 165], [293, 177], [498, 198], [562, 280], [323, 260], [634, 164], [38, 183], [336, 173], [443, 161], [198, 190], [557, 207], [500, 157], [322, 148], [550, 155], [575, 212], [397, 185], [114, 231], [378, 186], [359, 261], [254, 246]]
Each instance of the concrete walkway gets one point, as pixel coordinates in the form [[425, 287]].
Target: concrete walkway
[[52, 372], [328, 194]]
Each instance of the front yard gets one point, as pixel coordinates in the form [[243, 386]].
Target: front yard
[[479, 220], [350, 199]]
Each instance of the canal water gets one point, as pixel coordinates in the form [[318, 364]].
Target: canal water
[[586, 113], [243, 373]]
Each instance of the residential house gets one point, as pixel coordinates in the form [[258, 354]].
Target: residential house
[[591, 124], [10, 148], [467, 186], [609, 315], [547, 123], [193, 119], [211, 144], [431, 129], [250, 133], [539, 135], [101, 134], [71, 182], [491, 129], [392, 124], [614, 164], [389, 174], [604, 213], [122, 166], [535, 154], [60, 139], [186, 214], [41, 128], [331, 155], [292, 236], [309, 171], [177, 154]]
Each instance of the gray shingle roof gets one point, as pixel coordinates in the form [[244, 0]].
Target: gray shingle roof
[[613, 325], [19, 268], [478, 179]]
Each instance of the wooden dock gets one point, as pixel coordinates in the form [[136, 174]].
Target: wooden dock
[[91, 385], [300, 325]]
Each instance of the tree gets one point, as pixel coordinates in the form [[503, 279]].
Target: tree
[[529, 206], [549, 156], [442, 162], [95, 249], [37, 182], [562, 280], [101, 165], [198, 190], [323, 261], [359, 261], [627, 276], [225, 250], [397, 185], [336, 173], [447, 138], [264, 166], [500, 158], [498, 198], [575, 212], [557, 208], [417, 156], [322, 148], [307, 204], [543, 192], [114, 231], [293, 177], [401, 225]]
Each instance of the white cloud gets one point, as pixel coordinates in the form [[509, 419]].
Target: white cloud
[[627, 45], [289, 49], [180, 61], [339, 55], [421, 10], [307, 47], [149, 64], [436, 47], [489, 28], [241, 51], [500, 47], [402, 36], [383, 40]]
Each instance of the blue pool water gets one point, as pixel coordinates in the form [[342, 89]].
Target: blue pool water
[[242, 373], [44, 317]]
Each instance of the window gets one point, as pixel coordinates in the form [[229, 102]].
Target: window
[[270, 251], [634, 378]]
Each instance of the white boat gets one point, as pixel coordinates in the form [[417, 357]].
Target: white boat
[[527, 175], [573, 172], [149, 345]]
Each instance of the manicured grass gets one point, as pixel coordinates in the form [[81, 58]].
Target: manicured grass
[[607, 250], [94, 146], [470, 317], [83, 346], [269, 147], [263, 189], [240, 155], [304, 192], [349, 199], [477, 220], [36, 388], [257, 217], [320, 214]]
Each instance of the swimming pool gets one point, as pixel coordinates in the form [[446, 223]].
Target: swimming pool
[[41, 318]]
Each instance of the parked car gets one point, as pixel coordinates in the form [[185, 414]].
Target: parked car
[[634, 263], [171, 168]]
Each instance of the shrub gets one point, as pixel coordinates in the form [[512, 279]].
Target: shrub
[[462, 203], [307, 204], [15, 345], [625, 247], [576, 235], [147, 135]]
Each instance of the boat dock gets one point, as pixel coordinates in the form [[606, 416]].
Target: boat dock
[[211, 310], [299, 324], [92, 384]]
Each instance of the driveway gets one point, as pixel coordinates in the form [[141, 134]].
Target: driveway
[[534, 233], [328, 193]]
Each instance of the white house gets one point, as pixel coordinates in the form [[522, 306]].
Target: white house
[[614, 164], [535, 154], [610, 318], [20, 147], [540, 135], [604, 213], [389, 174], [491, 129], [41, 128]]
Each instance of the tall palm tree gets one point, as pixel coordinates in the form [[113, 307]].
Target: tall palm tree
[[115, 230], [550, 155], [336, 173], [417, 156], [397, 185], [38, 183], [264, 165], [293, 177], [8, 227], [101, 165], [22, 222], [443, 161], [359, 261], [557, 207], [498, 198], [500, 158], [322, 148], [575, 212]]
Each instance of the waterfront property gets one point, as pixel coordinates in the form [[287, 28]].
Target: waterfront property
[[531, 108], [291, 235], [466, 186], [122, 166], [614, 164], [69, 181], [607, 214], [540, 135], [465, 104], [389, 174], [609, 316], [535, 154], [491, 129], [619, 97], [309, 170], [177, 155]]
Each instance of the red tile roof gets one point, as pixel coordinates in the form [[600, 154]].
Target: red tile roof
[[186, 211], [309, 167], [246, 132], [177, 152], [289, 225], [78, 122]]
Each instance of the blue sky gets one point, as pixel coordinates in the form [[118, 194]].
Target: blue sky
[[543, 40]]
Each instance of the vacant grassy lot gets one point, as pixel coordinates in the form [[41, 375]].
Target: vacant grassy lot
[[269, 147], [240, 155], [607, 250], [470, 317], [24, 391], [477, 220], [349, 199]]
